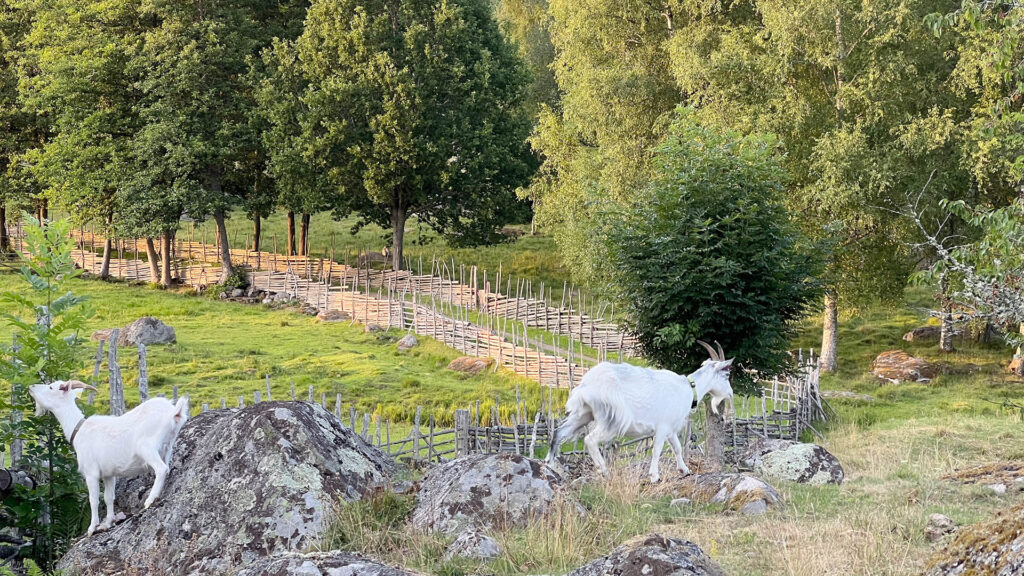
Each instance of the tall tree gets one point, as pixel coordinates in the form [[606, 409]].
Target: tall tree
[[74, 73], [617, 93], [20, 130], [192, 68], [415, 108], [859, 94]]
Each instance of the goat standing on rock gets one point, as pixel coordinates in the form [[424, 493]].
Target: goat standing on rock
[[631, 401], [112, 446]]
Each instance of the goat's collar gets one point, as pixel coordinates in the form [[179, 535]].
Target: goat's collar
[[74, 432], [693, 384]]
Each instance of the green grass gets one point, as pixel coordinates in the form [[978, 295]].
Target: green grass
[[226, 349]]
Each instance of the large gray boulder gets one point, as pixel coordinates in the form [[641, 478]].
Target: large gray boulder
[[493, 491], [738, 492], [320, 564], [654, 555], [994, 547], [146, 330], [793, 461], [244, 485]]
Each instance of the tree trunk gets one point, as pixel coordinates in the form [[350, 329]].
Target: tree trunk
[[398, 217], [227, 269], [5, 240], [714, 443], [154, 265], [830, 333], [946, 332], [304, 235], [291, 233], [257, 231], [108, 247], [165, 257], [44, 211]]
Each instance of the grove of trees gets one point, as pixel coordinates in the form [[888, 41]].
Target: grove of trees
[[467, 114]]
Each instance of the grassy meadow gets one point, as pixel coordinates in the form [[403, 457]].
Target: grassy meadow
[[895, 449]]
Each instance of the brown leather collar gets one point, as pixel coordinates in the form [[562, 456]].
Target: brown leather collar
[[75, 432]]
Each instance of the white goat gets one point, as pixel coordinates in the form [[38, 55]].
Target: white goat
[[112, 446], [630, 401]]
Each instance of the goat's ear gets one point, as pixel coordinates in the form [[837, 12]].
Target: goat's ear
[[63, 386], [725, 365]]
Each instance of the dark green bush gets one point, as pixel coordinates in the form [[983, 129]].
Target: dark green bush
[[708, 252]]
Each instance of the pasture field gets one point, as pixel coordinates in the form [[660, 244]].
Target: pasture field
[[895, 449], [226, 349]]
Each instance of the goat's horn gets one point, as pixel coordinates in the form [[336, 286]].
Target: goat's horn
[[714, 355], [721, 353], [75, 384]]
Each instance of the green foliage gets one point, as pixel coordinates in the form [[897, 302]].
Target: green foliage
[[413, 108], [46, 322], [708, 252], [617, 91]]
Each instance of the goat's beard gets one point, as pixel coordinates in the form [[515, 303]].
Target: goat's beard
[[716, 402], [40, 411]]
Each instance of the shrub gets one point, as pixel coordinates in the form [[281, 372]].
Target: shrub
[[708, 252], [46, 322]]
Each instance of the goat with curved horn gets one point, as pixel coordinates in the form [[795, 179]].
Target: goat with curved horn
[[632, 401], [714, 354]]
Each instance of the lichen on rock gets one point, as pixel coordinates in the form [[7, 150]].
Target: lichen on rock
[[793, 461], [994, 547], [244, 484], [487, 491], [653, 555]]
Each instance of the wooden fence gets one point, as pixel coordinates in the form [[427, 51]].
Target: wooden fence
[[784, 410], [585, 321]]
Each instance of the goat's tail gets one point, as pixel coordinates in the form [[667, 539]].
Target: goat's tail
[[180, 415], [577, 415]]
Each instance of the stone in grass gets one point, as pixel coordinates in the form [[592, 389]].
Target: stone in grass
[[474, 545], [146, 330], [938, 526], [244, 484], [470, 365], [994, 547], [333, 316], [653, 555], [372, 328], [408, 342], [793, 461], [488, 491], [738, 492], [898, 366]]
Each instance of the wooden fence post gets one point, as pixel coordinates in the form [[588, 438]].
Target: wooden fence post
[[143, 375], [116, 386], [461, 432]]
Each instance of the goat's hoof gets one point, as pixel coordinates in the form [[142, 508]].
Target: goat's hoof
[[92, 529], [147, 504]]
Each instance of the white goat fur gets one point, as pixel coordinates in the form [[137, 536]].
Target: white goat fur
[[112, 446], [631, 401]]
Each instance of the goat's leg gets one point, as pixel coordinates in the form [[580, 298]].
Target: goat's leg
[[160, 469], [659, 445], [93, 483], [168, 453], [593, 441], [108, 497], [677, 448]]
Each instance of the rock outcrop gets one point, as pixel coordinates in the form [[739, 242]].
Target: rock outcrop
[[991, 548], [793, 461], [489, 491], [244, 484], [408, 342], [146, 330], [470, 365], [739, 492], [898, 366], [320, 564], [939, 525], [654, 555]]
